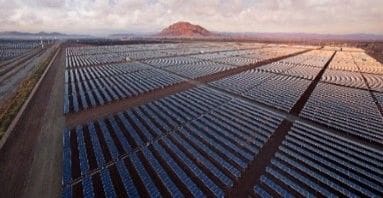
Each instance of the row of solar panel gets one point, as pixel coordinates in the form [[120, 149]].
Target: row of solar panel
[[11, 49], [91, 87], [89, 73], [314, 58], [278, 91], [312, 162], [246, 57], [89, 60], [356, 62], [349, 110], [193, 72], [96, 56]]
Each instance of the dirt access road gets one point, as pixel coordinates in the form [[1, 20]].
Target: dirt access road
[[30, 161]]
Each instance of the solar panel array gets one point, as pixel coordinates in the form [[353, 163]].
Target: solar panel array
[[13, 48], [88, 87], [350, 110], [195, 142], [278, 84], [98, 75], [312, 162], [204, 141]]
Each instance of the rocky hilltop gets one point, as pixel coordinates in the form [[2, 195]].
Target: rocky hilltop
[[184, 29]]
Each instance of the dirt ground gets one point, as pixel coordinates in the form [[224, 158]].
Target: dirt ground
[[30, 161]]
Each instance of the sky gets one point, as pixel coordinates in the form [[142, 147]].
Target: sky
[[99, 17]]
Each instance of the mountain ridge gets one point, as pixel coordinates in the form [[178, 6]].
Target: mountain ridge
[[19, 34]]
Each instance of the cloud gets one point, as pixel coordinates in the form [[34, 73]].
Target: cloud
[[107, 16]]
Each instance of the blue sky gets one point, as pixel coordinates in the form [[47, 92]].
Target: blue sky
[[116, 16]]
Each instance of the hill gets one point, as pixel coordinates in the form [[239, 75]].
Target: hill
[[184, 29]]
